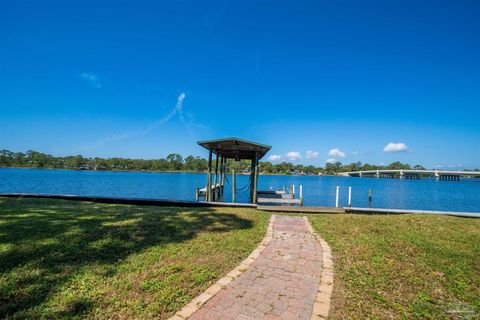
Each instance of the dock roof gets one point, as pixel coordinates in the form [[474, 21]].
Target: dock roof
[[235, 148]]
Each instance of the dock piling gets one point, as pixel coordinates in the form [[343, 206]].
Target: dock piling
[[336, 197], [349, 196], [301, 195], [216, 179], [255, 179], [234, 186], [208, 193], [223, 172]]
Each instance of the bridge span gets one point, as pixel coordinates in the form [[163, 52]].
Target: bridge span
[[413, 174]]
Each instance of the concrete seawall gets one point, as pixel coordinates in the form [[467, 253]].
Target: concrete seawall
[[286, 209]]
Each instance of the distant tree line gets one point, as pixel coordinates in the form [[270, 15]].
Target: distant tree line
[[173, 162]]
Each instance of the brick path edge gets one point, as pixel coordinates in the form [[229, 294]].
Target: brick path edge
[[321, 307], [201, 299]]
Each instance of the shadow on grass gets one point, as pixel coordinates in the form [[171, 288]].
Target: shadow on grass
[[43, 243]]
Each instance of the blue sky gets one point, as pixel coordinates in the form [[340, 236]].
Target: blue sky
[[317, 80]]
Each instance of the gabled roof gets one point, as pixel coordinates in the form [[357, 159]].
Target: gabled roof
[[235, 148]]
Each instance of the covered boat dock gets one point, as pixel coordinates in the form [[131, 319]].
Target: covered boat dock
[[235, 149]]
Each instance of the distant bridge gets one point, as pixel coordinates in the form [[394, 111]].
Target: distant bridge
[[413, 174]]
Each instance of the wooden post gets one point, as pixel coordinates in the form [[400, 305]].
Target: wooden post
[[220, 178], [293, 191], [234, 186], [255, 177], [197, 194], [252, 175], [216, 179], [208, 192], [224, 162]]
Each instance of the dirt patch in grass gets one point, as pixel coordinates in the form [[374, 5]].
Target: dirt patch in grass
[[62, 259], [403, 267]]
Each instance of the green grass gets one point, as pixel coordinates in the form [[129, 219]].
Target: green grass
[[403, 267], [64, 259]]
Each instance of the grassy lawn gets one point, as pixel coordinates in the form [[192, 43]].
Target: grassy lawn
[[65, 259], [403, 267]]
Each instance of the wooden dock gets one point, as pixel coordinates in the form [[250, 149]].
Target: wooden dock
[[278, 198]]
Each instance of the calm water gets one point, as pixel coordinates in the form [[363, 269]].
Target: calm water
[[426, 194]]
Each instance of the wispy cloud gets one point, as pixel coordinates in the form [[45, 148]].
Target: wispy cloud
[[311, 154], [396, 147], [458, 165], [92, 80], [336, 153], [330, 161], [294, 155], [128, 134], [275, 157]]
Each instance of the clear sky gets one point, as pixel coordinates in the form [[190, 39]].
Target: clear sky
[[370, 81]]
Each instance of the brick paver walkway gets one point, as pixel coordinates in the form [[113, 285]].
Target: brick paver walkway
[[282, 283]]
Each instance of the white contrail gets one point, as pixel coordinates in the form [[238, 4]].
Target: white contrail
[[180, 99], [177, 109]]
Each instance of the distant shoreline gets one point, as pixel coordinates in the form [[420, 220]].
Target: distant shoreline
[[166, 171]]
